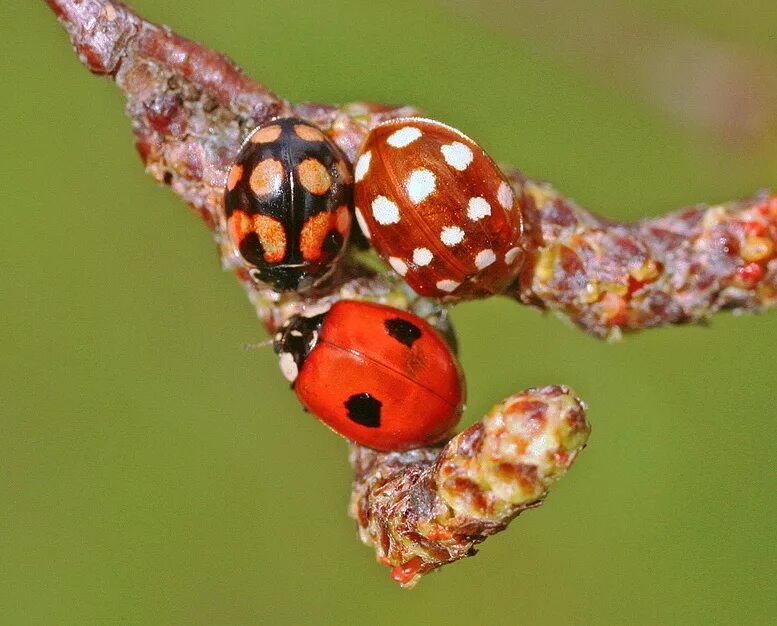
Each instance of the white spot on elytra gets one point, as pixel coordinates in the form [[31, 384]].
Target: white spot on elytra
[[362, 166], [484, 258], [385, 211], [400, 267], [403, 137], [447, 285], [419, 185], [362, 223], [505, 195], [511, 254], [288, 366], [478, 208], [451, 235], [422, 256], [457, 155]]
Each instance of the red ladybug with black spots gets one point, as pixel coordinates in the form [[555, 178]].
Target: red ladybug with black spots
[[378, 376], [287, 204]]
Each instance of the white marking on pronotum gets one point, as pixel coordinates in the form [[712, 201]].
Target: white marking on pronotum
[[505, 195], [511, 254], [311, 310], [478, 208], [451, 235], [457, 155], [288, 366], [362, 166], [295, 333], [362, 223], [403, 137], [422, 256], [419, 185], [400, 267], [447, 285], [385, 211], [484, 258]]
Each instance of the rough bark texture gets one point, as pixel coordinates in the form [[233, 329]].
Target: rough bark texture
[[190, 109], [681, 268], [425, 508]]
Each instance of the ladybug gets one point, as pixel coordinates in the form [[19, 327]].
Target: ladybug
[[438, 210], [287, 201], [376, 375]]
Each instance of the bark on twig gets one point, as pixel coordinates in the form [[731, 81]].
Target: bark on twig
[[190, 109], [424, 508], [608, 277]]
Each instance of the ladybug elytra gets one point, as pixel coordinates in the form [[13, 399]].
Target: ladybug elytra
[[287, 201], [378, 376], [438, 210]]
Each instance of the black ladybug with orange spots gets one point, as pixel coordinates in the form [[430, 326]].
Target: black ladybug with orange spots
[[287, 203]]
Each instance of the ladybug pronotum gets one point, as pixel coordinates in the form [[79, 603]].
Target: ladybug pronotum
[[438, 210], [376, 375], [287, 203]]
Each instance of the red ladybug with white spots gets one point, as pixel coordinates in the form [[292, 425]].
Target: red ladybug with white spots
[[376, 375], [287, 204], [438, 210]]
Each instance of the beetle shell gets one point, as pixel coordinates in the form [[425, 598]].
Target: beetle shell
[[287, 204], [438, 210], [378, 376]]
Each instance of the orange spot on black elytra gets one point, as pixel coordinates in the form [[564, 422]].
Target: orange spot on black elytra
[[313, 235], [314, 176], [308, 133], [266, 177], [272, 236], [343, 220], [235, 175], [267, 134], [238, 225]]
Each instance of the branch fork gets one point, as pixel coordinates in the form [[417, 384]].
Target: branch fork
[[190, 107]]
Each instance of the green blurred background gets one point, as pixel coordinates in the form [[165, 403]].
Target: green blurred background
[[152, 472]]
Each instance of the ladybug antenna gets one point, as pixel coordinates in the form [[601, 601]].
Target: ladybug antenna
[[258, 346]]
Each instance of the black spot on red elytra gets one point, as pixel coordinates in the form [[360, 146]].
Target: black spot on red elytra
[[403, 331], [364, 409]]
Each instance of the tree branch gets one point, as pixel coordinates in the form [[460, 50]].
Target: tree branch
[[681, 268], [191, 107], [425, 508]]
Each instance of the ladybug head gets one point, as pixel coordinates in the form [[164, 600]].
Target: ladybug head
[[294, 340]]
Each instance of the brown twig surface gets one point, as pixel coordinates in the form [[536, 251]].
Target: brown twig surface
[[425, 508], [190, 109]]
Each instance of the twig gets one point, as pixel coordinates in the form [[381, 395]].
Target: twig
[[190, 109], [425, 508], [681, 268]]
